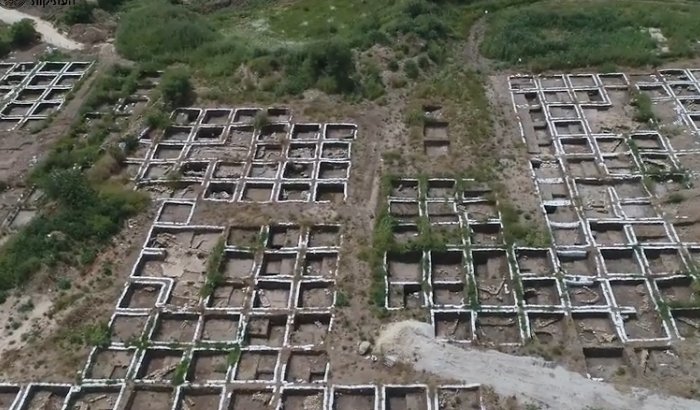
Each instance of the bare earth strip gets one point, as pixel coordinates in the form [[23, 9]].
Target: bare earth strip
[[48, 32], [531, 379]]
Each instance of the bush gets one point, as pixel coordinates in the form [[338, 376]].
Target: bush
[[80, 13], [326, 65], [109, 5], [161, 31], [176, 88], [22, 33], [411, 69]]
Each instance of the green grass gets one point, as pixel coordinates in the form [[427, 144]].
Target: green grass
[[214, 265], [567, 34]]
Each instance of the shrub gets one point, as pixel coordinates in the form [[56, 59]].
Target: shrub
[[327, 65], [411, 69], [176, 88], [80, 13], [22, 33]]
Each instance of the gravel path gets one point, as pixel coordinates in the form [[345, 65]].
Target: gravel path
[[532, 380], [48, 32]]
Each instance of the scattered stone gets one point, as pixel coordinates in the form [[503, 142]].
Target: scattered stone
[[364, 347]]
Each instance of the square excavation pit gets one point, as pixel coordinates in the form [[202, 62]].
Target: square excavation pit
[[176, 133], [167, 151], [582, 80], [526, 98], [333, 170], [268, 152], [268, 170], [658, 361], [109, 364], [67, 80], [586, 293], [244, 236], [217, 116], [238, 265], [14, 79], [272, 294], [307, 366], [458, 398], [257, 365], [687, 322], [548, 328], [454, 325], [294, 192], [45, 109], [441, 188], [595, 328], [579, 263], [321, 236], [126, 328], [46, 397], [339, 131], [561, 96], [17, 109], [645, 322], [447, 266], [604, 363], [354, 398], [150, 398], [186, 116], [630, 189], [405, 267], [576, 146], [582, 167], [8, 394], [650, 233], [620, 164], [228, 170], [322, 264], [220, 327], [208, 366], [273, 132], [175, 212], [497, 328], [562, 112], [480, 211], [561, 213], [407, 212], [492, 274], [283, 236], [310, 328], [436, 148], [442, 212], [404, 188], [330, 192], [524, 82], [246, 115], [194, 169], [552, 81], [435, 130], [94, 398], [52, 67], [539, 292], [608, 233], [406, 296], [30, 94], [302, 398], [569, 236], [266, 330], [486, 234], [141, 296], [589, 96], [248, 398], [159, 364], [159, 171], [315, 295], [209, 134], [612, 145], [240, 136], [638, 210], [278, 264], [257, 191], [620, 261], [179, 328], [679, 291], [306, 131], [335, 150], [230, 295], [546, 170], [43, 79], [663, 261], [278, 114], [406, 397], [535, 262], [302, 151], [451, 233], [197, 398]]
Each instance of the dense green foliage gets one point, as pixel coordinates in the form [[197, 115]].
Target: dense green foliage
[[79, 13], [22, 33], [176, 88], [575, 34]]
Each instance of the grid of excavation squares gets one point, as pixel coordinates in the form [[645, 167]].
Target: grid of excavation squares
[[263, 321], [221, 155], [139, 396], [615, 254], [35, 90]]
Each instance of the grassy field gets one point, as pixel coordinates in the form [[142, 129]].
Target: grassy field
[[567, 34]]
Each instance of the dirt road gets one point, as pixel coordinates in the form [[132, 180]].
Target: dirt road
[[532, 380], [48, 32]]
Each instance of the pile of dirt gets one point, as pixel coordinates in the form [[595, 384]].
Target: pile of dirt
[[532, 380]]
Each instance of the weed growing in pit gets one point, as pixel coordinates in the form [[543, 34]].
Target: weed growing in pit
[[644, 111], [342, 299], [180, 372], [214, 263], [233, 355]]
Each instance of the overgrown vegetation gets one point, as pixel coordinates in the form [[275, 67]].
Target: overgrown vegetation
[[644, 111], [85, 209], [565, 34], [176, 88], [17, 35], [214, 264]]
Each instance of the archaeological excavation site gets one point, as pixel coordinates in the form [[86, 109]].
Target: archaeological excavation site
[[428, 205]]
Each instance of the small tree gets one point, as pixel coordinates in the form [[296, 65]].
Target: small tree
[[176, 87], [22, 33], [81, 12]]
